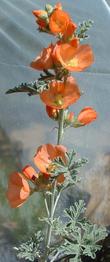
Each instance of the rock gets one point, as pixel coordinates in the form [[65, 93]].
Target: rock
[[6, 248], [97, 184]]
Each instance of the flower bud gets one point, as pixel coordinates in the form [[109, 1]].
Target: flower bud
[[49, 8], [40, 14], [52, 112], [69, 118], [42, 18], [85, 117]]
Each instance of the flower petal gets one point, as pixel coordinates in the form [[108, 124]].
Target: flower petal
[[46, 154], [44, 61], [87, 115], [30, 172], [58, 21], [74, 58], [18, 190], [61, 94]]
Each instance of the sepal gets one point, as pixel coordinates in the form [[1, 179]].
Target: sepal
[[49, 9]]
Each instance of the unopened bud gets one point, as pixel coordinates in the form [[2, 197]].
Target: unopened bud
[[49, 9], [40, 14], [69, 118], [52, 112]]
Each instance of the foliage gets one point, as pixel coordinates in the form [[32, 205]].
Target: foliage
[[30, 250], [69, 169], [76, 238], [33, 88], [83, 27]]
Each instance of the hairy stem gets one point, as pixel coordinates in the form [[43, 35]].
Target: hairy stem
[[46, 205], [60, 128], [54, 198], [51, 215]]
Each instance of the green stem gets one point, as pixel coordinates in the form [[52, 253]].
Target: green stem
[[51, 215], [55, 256], [54, 200], [61, 124], [46, 205], [49, 231]]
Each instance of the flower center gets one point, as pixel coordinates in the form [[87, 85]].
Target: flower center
[[51, 168], [58, 100], [73, 62]]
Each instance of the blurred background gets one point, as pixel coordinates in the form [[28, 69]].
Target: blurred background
[[24, 124]]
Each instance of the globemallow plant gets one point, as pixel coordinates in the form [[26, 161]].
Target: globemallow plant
[[57, 166]]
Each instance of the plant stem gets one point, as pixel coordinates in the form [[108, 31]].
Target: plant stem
[[51, 215], [60, 128], [56, 255], [56, 201], [49, 231], [54, 198], [46, 205]]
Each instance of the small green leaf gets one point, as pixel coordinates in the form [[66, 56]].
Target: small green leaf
[[79, 236], [34, 88], [83, 27], [31, 249]]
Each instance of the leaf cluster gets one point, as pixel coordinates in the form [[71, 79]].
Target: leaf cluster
[[78, 236], [31, 249], [83, 27], [74, 239], [33, 88], [70, 168]]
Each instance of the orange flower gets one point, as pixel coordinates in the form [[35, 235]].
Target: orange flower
[[71, 26], [87, 115], [52, 112], [18, 190], [46, 154], [58, 21], [61, 95], [69, 31], [44, 60], [73, 56]]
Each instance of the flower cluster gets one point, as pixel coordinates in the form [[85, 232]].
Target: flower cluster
[[19, 188], [55, 168], [58, 60], [65, 56]]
